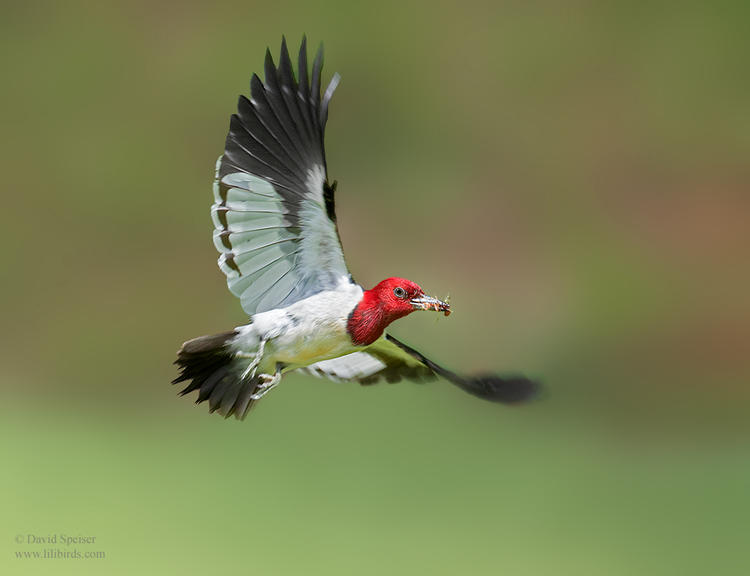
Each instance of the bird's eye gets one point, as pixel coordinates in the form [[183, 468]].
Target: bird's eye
[[399, 292]]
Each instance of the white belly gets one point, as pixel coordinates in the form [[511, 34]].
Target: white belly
[[305, 332]]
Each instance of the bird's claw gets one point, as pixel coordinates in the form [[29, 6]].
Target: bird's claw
[[266, 384], [267, 381]]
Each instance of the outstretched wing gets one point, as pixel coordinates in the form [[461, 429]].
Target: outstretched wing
[[393, 360], [274, 215], [381, 360]]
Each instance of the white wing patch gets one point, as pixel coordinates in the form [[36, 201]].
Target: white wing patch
[[380, 360], [320, 248], [268, 261], [355, 366]]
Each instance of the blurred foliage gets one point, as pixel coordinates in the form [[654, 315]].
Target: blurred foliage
[[574, 174]]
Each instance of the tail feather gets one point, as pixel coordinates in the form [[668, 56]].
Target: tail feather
[[209, 365]]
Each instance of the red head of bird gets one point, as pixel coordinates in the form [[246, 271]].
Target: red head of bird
[[391, 299]]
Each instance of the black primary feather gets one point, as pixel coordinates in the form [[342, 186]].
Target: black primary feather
[[278, 133], [507, 390]]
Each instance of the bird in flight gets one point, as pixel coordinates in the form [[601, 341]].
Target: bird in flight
[[275, 228]]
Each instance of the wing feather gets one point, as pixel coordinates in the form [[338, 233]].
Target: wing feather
[[274, 213], [303, 90], [254, 126], [382, 360]]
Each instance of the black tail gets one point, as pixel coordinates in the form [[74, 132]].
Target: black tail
[[208, 363], [508, 390]]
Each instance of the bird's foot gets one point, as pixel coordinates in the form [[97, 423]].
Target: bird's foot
[[267, 383], [256, 357]]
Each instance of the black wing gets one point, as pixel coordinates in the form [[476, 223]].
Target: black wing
[[390, 359], [274, 216]]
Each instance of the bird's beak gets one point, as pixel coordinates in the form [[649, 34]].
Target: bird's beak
[[429, 303]]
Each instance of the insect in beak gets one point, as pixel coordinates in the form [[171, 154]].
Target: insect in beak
[[430, 303]]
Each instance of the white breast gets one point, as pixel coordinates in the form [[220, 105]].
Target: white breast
[[305, 332]]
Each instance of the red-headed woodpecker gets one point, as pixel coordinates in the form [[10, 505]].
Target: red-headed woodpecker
[[275, 227]]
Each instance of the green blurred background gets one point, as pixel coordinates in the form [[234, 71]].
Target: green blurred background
[[576, 175]]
